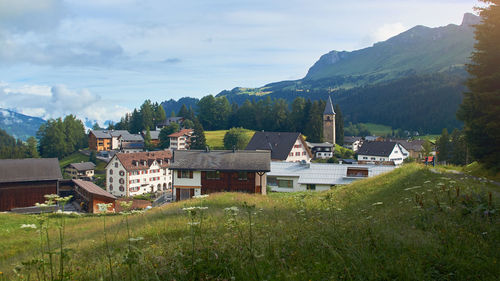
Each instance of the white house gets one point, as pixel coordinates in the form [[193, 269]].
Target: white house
[[180, 140], [322, 150], [130, 174], [293, 177], [382, 151], [284, 146], [353, 143]]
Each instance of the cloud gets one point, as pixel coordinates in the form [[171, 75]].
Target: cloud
[[58, 101], [387, 31], [27, 15], [172, 60]]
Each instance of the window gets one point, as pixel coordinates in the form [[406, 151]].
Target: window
[[213, 175], [291, 154], [110, 187], [121, 181], [183, 174], [297, 153], [122, 173], [303, 153], [116, 164], [373, 158], [311, 187], [111, 171], [365, 157], [242, 176], [285, 183], [297, 146], [122, 188], [110, 179]]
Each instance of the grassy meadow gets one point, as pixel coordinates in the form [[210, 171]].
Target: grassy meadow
[[215, 139], [411, 224]]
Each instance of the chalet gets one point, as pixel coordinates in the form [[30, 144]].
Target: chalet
[[353, 143], [380, 152], [169, 121], [80, 170], [198, 172], [155, 137], [24, 182], [292, 177], [180, 140], [322, 150], [89, 195], [414, 147], [284, 146], [130, 174], [106, 140]]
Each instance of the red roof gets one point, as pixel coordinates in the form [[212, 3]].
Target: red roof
[[93, 189], [143, 160], [182, 132]]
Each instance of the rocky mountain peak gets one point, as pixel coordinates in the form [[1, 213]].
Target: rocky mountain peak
[[470, 19]]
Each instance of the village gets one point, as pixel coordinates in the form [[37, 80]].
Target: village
[[271, 162]]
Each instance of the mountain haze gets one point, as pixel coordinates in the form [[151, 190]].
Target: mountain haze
[[19, 125]]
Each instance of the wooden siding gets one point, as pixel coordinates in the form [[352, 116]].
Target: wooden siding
[[25, 194], [94, 143], [228, 181]]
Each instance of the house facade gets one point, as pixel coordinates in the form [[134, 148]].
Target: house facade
[[89, 195], [80, 170], [169, 121], [197, 172], [378, 152], [353, 143], [105, 140], [284, 146], [130, 174], [24, 182], [322, 150], [294, 177], [180, 140], [155, 137]]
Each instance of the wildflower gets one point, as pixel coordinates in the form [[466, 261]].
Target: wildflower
[[369, 217], [137, 211], [194, 223], [233, 209], [132, 239], [440, 183], [28, 226], [200, 196], [377, 203], [427, 181], [103, 207], [413, 187], [126, 205], [187, 209], [41, 205], [63, 200]]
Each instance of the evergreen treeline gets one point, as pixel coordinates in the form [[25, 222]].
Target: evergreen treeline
[[452, 148], [10, 148], [61, 137], [148, 116]]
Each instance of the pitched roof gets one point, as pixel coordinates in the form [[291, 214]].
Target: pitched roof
[[181, 133], [415, 145], [221, 160], [83, 166], [377, 148], [322, 173], [92, 188], [143, 160], [132, 145], [131, 137], [171, 120], [29, 169], [279, 143], [117, 133], [351, 139], [329, 107], [107, 134], [154, 134], [319, 144]]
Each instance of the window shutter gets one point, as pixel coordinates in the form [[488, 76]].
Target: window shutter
[[179, 174], [190, 174]]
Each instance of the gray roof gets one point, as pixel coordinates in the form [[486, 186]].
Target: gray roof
[[154, 134], [92, 188], [107, 134], [132, 145], [319, 144], [377, 148], [322, 173], [329, 107], [351, 139], [29, 169], [221, 160], [83, 166], [280, 143], [118, 133], [131, 137]]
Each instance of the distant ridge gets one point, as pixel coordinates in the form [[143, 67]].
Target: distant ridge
[[19, 125]]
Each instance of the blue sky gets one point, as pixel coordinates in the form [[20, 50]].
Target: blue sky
[[101, 58]]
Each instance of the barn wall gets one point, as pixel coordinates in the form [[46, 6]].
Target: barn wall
[[24, 194]]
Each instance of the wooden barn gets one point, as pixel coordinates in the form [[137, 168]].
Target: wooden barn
[[89, 195], [24, 182]]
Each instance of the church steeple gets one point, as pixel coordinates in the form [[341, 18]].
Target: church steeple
[[329, 122]]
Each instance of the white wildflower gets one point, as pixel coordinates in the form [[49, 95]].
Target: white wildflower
[[132, 239], [440, 183], [187, 209], [427, 181], [28, 226], [377, 203], [200, 196], [413, 187], [233, 209], [103, 207], [194, 223]]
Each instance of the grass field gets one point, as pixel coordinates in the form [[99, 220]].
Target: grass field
[[411, 224], [215, 138], [79, 157], [378, 129]]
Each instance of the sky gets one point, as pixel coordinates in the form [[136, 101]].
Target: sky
[[98, 59]]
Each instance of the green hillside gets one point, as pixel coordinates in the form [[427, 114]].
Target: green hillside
[[215, 139], [411, 224]]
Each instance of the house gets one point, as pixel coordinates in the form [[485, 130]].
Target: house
[[373, 138], [168, 121], [130, 174], [24, 182], [155, 137], [284, 146], [180, 140], [382, 152], [414, 147], [106, 140], [322, 150], [80, 170], [199, 172], [353, 143], [292, 177], [89, 195]]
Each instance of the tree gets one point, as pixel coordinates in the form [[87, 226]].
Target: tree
[[32, 149], [96, 126], [147, 140], [183, 112], [237, 138], [443, 146], [164, 139], [458, 153], [159, 115], [198, 140], [427, 148], [297, 115], [52, 139], [480, 108], [339, 126], [93, 157], [147, 115], [188, 124], [135, 122]]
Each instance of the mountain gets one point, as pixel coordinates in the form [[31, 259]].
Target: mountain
[[400, 74], [175, 106], [19, 125]]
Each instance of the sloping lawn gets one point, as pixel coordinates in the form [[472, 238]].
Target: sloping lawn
[[215, 139]]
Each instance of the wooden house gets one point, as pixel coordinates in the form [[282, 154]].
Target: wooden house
[[284, 146], [89, 195]]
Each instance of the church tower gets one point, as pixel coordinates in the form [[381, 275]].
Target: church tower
[[329, 122]]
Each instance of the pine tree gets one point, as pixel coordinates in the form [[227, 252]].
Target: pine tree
[[198, 140], [165, 132], [32, 150], [339, 126], [147, 140], [480, 109], [443, 146], [183, 112]]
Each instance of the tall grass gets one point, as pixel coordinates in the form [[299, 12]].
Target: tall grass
[[411, 224]]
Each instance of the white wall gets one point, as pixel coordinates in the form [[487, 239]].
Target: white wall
[[301, 150], [194, 182]]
